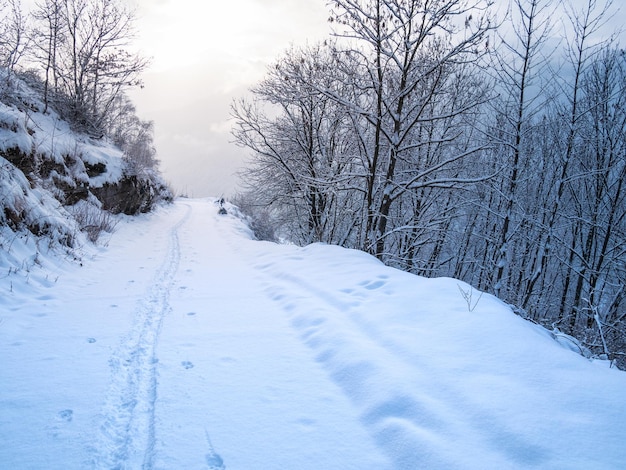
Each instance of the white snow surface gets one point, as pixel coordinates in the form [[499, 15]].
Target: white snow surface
[[186, 344]]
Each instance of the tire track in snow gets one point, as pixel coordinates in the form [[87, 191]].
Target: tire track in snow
[[413, 426], [127, 433], [402, 422]]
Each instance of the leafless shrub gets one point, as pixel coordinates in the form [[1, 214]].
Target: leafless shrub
[[260, 219], [93, 220]]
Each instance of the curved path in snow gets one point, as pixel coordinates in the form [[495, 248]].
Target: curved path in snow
[[207, 374]]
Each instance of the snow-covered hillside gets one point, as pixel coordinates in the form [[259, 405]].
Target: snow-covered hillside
[[186, 344], [57, 185]]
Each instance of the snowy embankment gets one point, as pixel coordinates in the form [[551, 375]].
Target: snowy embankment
[[58, 186], [185, 344]]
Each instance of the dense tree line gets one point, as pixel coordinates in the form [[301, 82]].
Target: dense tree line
[[445, 144], [77, 53]]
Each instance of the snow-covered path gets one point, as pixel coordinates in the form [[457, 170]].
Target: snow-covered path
[[128, 422], [235, 382], [186, 345], [160, 353]]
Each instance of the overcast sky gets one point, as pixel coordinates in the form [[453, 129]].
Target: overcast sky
[[205, 53]]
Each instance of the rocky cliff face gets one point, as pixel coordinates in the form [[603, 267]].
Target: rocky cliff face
[[130, 195]]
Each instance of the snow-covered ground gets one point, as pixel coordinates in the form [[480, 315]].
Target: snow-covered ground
[[184, 344]]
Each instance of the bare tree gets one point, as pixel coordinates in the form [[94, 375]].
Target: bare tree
[[580, 52], [521, 63], [378, 130], [48, 38], [93, 64], [13, 36], [297, 159], [408, 51], [597, 194]]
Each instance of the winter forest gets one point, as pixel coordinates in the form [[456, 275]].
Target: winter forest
[[448, 141], [441, 136]]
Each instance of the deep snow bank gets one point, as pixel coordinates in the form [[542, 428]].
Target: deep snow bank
[[445, 377]]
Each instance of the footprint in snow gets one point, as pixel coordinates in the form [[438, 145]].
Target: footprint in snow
[[215, 462], [213, 459], [187, 364], [373, 285], [66, 415]]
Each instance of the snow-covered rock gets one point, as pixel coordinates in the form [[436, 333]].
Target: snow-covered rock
[[55, 182]]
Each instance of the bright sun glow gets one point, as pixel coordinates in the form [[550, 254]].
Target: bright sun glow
[[191, 32]]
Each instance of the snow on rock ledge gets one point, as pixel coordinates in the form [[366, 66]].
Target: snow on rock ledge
[[47, 167]]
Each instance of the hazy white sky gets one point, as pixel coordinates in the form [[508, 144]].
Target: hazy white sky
[[205, 53]]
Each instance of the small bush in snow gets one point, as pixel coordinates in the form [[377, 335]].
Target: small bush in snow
[[259, 218], [93, 220]]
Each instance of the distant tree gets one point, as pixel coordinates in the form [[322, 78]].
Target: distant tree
[[93, 65], [297, 154], [131, 134], [48, 38], [13, 35]]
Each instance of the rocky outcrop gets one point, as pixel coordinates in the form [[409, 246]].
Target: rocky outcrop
[[131, 195], [128, 194]]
